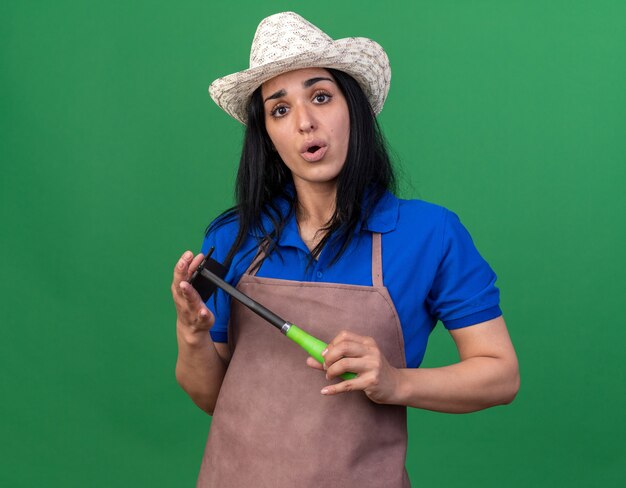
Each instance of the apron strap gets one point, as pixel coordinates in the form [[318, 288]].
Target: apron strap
[[377, 260], [260, 255]]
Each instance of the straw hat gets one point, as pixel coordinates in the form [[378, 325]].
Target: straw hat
[[285, 42]]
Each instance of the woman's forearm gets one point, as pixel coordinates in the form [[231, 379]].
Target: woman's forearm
[[199, 368], [473, 384]]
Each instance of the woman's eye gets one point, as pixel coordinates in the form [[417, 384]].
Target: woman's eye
[[322, 97], [279, 111]]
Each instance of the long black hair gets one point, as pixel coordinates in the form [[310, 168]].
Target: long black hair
[[263, 178]]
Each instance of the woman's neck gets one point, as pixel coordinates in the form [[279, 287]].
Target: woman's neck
[[316, 206]]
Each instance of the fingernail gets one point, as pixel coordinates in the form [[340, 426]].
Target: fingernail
[[324, 352], [187, 254], [324, 365], [324, 391]]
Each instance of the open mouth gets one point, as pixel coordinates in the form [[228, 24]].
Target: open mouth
[[314, 153]]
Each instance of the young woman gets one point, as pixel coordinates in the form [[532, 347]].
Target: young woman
[[318, 237]]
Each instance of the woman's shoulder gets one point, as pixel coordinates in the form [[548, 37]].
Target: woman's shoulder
[[415, 212], [407, 218], [421, 208], [223, 227], [221, 234]]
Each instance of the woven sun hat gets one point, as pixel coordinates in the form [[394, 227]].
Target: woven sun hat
[[286, 42]]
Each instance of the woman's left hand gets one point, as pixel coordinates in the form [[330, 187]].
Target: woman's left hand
[[349, 352]]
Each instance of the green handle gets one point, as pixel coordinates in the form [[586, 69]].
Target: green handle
[[312, 345]]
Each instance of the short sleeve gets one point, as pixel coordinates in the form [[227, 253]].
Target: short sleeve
[[219, 302], [463, 292]]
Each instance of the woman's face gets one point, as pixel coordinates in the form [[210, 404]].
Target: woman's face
[[307, 119]]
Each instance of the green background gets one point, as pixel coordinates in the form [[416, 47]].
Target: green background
[[114, 158]]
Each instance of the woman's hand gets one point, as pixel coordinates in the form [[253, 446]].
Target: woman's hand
[[349, 352], [486, 375], [201, 363], [192, 314]]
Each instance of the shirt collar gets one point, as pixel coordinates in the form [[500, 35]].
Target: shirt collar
[[383, 218]]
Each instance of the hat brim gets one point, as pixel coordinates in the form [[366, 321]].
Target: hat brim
[[363, 59]]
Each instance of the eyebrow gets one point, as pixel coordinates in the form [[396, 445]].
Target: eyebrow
[[312, 81], [306, 84]]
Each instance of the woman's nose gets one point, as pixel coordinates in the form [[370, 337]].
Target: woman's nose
[[305, 120]]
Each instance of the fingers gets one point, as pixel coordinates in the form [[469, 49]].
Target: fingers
[[358, 365], [369, 370], [349, 352], [312, 363], [181, 270], [192, 311], [188, 291], [184, 268], [189, 306], [341, 356], [194, 264], [345, 386]]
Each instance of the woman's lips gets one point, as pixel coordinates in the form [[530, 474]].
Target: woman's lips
[[314, 156]]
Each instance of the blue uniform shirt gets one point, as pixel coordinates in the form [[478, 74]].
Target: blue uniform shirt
[[431, 268]]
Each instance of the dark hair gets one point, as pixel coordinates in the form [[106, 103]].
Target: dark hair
[[263, 178]]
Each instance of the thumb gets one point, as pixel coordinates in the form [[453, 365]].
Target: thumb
[[311, 362]]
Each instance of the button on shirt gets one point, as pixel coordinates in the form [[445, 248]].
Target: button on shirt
[[431, 268]]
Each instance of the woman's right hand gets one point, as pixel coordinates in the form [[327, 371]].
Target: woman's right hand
[[201, 363], [192, 313]]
